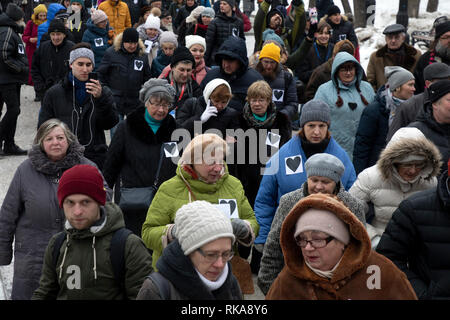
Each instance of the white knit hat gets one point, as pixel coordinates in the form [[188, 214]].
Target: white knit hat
[[152, 22], [194, 39], [198, 223], [212, 85]]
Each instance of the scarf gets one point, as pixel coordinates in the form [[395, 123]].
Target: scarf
[[324, 274], [391, 104], [310, 148], [153, 124], [80, 89], [256, 123], [214, 285]]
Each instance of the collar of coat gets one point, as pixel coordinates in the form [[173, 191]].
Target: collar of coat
[[410, 53], [118, 45], [356, 253]]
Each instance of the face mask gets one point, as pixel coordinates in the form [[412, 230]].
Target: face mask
[[75, 8]]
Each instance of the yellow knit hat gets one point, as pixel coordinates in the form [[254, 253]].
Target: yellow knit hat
[[271, 51], [38, 9]]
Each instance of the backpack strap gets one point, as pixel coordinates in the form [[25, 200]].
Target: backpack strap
[[117, 255], [57, 247], [161, 283]]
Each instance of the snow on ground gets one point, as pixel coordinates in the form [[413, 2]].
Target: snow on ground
[[386, 11]]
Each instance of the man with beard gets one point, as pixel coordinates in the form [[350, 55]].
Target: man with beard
[[395, 53], [281, 81], [13, 73], [439, 52]]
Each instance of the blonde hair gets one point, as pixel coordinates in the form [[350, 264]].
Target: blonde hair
[[259, 89], [203, 149]]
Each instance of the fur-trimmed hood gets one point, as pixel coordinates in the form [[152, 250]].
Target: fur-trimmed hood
[[405, 142], [118, 44], [356, 253]]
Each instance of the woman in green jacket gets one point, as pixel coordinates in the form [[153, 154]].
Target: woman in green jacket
[[202, 174]]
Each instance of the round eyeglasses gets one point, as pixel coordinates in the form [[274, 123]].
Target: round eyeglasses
[[214, 256]]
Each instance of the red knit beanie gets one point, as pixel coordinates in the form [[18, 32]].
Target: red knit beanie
[[83, 179]]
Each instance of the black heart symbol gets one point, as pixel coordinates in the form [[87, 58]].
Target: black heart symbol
[[139, 64], [232, 204], [98, 41], [274, 138], [293, 163], [169, 147], [352, 105], [278, 94]]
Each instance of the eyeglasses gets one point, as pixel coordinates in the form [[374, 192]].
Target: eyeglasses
[[160, 105], [214, 256], [257, 100], [408, 166], [446, 38], [315, 243], [347, 68]]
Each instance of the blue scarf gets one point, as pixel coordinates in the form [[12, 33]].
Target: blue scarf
[[154, 124], [80, 89], [259, 118]]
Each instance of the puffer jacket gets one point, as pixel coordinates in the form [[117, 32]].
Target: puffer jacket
[[124, 73], [218, 31], [272, 261], [383, 58], [345, 119], [285, 172], [353, 274], [52, 10], [30, 215], [182, 189], [184, 281], [417, 240], [241, 79], [86, 254], [98, 39], [438, 133], [87, 121], [118, 15], [50, 65], [382, 185], [13, 58]]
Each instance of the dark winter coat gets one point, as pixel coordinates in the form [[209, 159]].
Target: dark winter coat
[[13, 58], [135, 6], [192, 89], [439, 134], [159, 63], [417, 240], [218, 31], [98, 39], [383, 58], [50, 65], [193, 109], [317, 55], [86, 254], [77, 31], [182, 14], [249, 173], [284, 93], [407, 113], [184, 281], [87, 121], [241, 79], [371, 135], [30, 216], [124, 73], [343, 30], [426, 59]]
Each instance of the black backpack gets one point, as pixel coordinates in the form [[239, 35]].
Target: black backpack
[[117, 253]]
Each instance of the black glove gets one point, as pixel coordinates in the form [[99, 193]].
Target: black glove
[[312, 30], [296, 3]]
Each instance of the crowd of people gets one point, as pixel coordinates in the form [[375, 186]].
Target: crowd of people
[[292, 162]]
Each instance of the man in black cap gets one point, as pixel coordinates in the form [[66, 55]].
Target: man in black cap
[[124, 69], [13, 73], [434, 119], [50, 59], [180, 77], [439, 52], [408, 110], [395, 53], [342, 29]]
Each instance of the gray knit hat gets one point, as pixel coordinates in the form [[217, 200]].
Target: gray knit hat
[[324, 165], [208, 12], [397, 76], [81, 53], [168, 36], [155, 85], [198, 223], [315, 110]]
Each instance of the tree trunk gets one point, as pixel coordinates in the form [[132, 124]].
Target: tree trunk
[[346, 5], [359, 7], [312, 3], [413, 8], [432, 5], [402, 15]]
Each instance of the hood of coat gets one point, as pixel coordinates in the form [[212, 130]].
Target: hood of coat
[[341, 58], [356, 253], [234, 48], [94, 29], [52, 9], [196, 185], [6, 21], [111, 219], [43, 164], [406, 142], [118, 44]]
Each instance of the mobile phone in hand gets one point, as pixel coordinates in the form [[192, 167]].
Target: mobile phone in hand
[[93, 75]]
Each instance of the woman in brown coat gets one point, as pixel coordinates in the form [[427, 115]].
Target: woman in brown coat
[[328, 256]]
